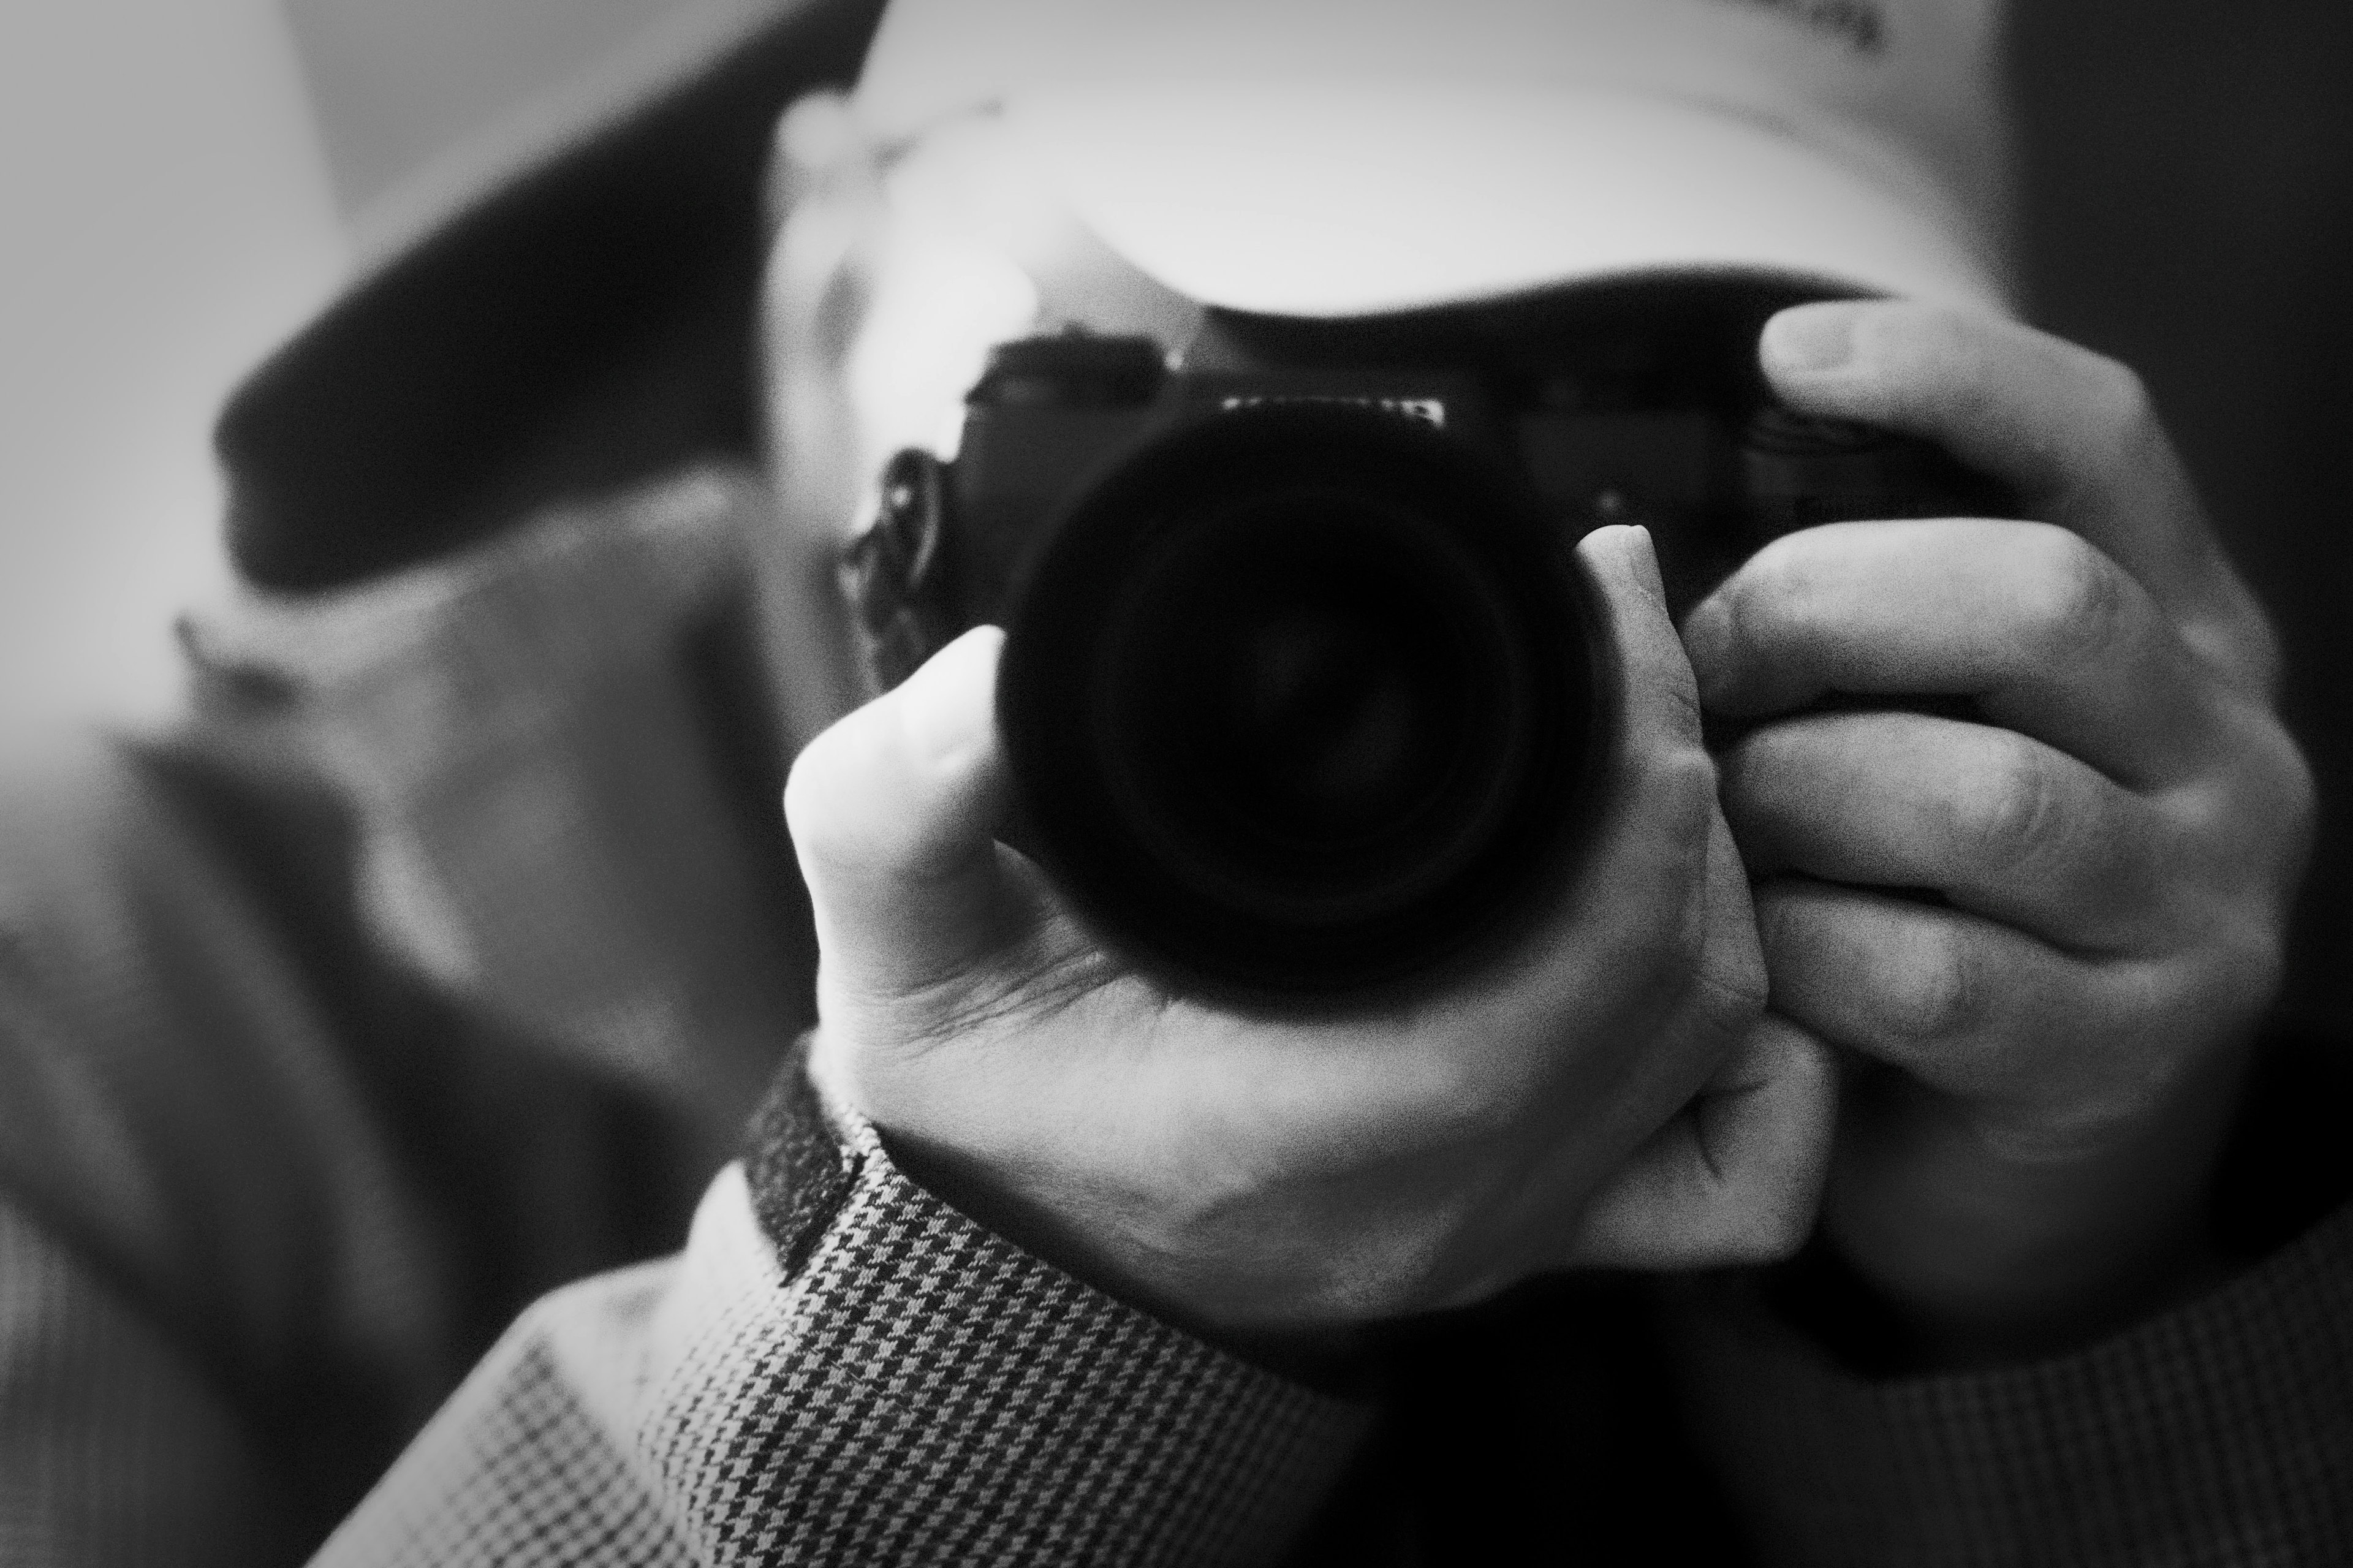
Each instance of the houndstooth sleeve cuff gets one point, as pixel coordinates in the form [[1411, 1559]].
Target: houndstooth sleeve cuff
[[842, 1369], [2219, 1433], [931, 1392]]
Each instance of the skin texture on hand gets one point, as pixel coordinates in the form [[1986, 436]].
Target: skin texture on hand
[[2044, 937], [1603, 1093]]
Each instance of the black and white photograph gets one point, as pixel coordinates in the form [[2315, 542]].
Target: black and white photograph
[[1279, 783]]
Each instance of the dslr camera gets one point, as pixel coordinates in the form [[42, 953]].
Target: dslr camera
[[1303, 695]]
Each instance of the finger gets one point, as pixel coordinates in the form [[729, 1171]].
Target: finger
[[2047, 634], [1661, 708], [1663, 791], [894, 813], [1966, 1006], [2001, 825], [1716, 994], [1736, 1177], [1647, 844], [2072, 430], [1615, 1017], [1727, 989]]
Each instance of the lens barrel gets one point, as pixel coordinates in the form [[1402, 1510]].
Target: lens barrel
[[1302, 700]]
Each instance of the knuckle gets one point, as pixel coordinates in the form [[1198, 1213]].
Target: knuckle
[[1937, 994], [808, 786], [2118, 401], [2118, 430], [1470, 1100], [1781, 1231], [1673, 788], [1783, 1201], [2293, 808], [2253, 823], [1771, 1226], [1776, 590], [2014, 817], [2079, 599], [1759, 608], [2241, 961], [2257, 968], [2263, 658]]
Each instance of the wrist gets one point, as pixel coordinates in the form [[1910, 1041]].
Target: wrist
[[2041, 1313], [1334, 1357], [1880, 1331], [1975, 1257], [798, 1175]]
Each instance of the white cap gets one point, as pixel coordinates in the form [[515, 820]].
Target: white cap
[[1347, 157]]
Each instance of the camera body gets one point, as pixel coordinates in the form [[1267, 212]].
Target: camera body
[[1302, 696]]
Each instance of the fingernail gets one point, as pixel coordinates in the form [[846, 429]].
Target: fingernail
[[1646, 563], [1627, 549], [1810, 337]]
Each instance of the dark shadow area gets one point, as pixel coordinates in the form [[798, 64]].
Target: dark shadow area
[[2187, 184]]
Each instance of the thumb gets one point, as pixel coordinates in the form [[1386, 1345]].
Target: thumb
[[1662, 712], [893, 814], [2074, 432], [1736, 1177]]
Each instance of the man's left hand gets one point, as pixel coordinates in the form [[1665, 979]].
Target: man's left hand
[[2044, 937]]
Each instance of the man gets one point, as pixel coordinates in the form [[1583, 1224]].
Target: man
[[1152, 1349]]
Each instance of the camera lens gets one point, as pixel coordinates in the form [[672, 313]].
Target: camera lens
[[1299, 700]]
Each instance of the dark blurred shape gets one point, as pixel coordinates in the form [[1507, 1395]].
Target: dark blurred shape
[[596, 331], [1301, 700], [2187, 184]]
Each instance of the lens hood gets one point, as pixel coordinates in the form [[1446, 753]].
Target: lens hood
[[1299, 699]]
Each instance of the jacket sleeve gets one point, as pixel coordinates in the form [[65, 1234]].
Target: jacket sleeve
[[842, 1369], [2219, 1433], [114, 1449]]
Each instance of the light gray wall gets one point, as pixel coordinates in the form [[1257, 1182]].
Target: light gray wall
[[402, 86], [181, 182], [164, 216]]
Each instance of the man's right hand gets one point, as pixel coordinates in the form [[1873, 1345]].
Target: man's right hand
[[1607, 1092]]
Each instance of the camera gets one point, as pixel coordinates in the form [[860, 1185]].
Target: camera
[[1301, 695]]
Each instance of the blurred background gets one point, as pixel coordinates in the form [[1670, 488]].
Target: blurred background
[[182, 181]]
